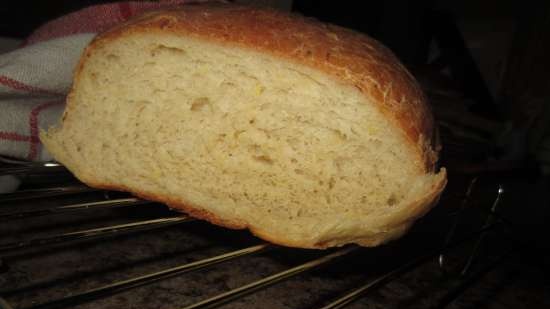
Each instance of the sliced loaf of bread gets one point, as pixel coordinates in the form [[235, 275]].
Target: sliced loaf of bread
[[308, 134]]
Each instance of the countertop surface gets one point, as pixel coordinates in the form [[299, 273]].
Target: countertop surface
[[40, 275]]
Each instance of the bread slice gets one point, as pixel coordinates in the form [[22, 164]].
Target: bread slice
[[308, 134]]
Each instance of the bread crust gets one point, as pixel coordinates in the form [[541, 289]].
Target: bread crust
[[351, 57]]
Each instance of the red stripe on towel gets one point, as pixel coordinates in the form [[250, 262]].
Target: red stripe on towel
[[125, 10], [17, 85], [13, 136]]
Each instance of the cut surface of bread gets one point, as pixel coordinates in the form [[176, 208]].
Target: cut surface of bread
[[242, 138]]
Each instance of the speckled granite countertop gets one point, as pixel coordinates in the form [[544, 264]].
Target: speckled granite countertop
[[31, 278]]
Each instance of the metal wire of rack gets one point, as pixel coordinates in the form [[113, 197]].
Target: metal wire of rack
[[16, 247]]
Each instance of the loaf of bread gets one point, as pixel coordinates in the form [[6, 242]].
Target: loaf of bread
[[307, 134]]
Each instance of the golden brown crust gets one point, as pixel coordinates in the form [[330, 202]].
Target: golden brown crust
[[351, 57], [396, 226], [195, 212]]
